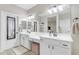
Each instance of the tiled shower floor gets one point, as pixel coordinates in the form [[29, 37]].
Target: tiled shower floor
[[17, 51]]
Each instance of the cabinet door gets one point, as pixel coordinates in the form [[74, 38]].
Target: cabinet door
[[27, 43], [22, 39], [60, 47], [45, 48]]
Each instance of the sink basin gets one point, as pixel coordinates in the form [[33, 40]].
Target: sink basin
[[55, 34]]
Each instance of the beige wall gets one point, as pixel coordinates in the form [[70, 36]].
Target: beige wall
[[75, 37]]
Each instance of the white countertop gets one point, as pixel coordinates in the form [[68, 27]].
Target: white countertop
[[38, 35], [64, 37]]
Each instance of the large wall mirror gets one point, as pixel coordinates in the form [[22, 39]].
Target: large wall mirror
[[58, 21], [52, 23], [46, 19]]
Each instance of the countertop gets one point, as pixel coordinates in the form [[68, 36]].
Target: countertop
[[38, 35]]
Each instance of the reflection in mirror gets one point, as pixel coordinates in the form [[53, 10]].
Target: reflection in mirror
[[29, 25], [35, 26], [52, 24], [64, 20], [23, 24], [61, 24]]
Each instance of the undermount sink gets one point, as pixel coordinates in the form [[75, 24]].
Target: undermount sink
[[53, 34]]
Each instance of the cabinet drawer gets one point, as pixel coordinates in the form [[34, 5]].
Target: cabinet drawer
[[34, 40], [65, 44]]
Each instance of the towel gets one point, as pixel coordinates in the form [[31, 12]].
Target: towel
[[75, 28]]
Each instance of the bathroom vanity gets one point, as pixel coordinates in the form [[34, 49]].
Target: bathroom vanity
[[51, 45], [56, 45], [59, 23]]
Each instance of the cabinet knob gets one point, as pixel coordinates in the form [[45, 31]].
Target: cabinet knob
[[48, 46]]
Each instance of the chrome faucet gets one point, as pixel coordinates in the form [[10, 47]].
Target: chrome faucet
[[55, 34], [52, 33]]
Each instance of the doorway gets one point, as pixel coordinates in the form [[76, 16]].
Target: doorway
[[52, 24]]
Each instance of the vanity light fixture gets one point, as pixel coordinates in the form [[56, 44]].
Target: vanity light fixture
[[50, 11], [55, 9], [60, 7], [31, 17]]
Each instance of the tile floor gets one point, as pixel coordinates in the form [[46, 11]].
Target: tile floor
[[17, 51]]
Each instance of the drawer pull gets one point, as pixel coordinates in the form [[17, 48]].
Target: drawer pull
[[65, 45], [48, 46]]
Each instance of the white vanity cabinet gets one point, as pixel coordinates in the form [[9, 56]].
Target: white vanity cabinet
[[54, 47], [45, 49], [25, 41]]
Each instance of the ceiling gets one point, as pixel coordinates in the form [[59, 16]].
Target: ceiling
[[26, 6]]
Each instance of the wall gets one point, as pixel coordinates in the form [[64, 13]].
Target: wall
[[11, 10], [14, 9], [5, 44]]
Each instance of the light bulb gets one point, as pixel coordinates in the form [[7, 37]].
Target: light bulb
[[60, 8], [32, 17], [29, 17], [54, 9], [50, 11]]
